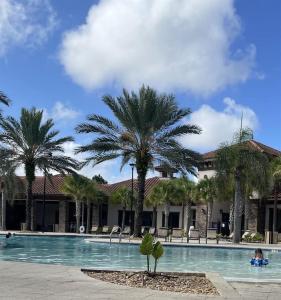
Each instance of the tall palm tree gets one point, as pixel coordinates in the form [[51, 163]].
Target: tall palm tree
[[34, 144], [122, 196], [4, 99], [74, 186], [147, 131], [241, 162], [188, 195], [276, 183]]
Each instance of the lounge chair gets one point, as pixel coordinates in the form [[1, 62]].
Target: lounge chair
[[144, 230], [230, 237], [177, 233], [125, 231], [115, 230], [194, 234], [94, 229], [163, 232], [246, 235], [152, 230], [105, 230], [212, 235]]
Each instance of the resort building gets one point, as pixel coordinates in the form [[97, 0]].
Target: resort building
[[60, 209]]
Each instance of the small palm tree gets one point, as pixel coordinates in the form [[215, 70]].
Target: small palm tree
[[10, 187], [33, 144], [147, 132], [188, 196], [74, 186], [122, 196], [207, 191], [276, 183], [243, 163], [4, 99]]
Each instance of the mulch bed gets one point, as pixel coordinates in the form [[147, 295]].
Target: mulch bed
[[161, 281]]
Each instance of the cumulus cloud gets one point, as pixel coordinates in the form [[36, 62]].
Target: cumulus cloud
[[173, 44], [219, 126], [61, 112], [25, 23]]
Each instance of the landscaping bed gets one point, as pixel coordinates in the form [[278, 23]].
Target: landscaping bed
[[172, 282]]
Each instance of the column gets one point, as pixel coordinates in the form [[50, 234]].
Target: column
[[63, 216]]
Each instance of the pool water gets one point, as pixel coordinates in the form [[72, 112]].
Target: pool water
[[74, 251]]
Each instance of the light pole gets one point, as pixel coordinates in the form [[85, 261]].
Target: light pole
[[132, 197]]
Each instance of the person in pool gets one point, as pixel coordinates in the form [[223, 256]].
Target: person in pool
[[258, 260]]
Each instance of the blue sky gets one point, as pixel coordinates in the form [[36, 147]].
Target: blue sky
[[219, 58]]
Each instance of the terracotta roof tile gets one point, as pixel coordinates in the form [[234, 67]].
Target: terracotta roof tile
[[253, 144]]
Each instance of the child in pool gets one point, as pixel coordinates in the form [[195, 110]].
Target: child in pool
[[258, 260]]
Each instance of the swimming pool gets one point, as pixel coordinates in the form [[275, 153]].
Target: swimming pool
[[74, 251]]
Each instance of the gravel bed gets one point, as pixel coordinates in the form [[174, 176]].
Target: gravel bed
[[160, 281]]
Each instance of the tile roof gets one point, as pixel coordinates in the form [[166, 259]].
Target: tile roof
[[54, 188], [253, 144]]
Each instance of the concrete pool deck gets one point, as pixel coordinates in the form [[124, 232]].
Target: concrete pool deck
[[38, 281]]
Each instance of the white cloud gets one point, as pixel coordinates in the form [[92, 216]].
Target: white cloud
[[171, 44], [25, 23], [219, 126], [61, 112]]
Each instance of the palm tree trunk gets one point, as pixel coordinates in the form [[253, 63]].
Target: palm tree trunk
[[182, 215], [78, 214], [167, 212], [154, 217], [28, 207], [247, 213], [210, 212], [274, 225], [231, 216], [123, 217], [140, 201], [3, 209], [88, 216], [188, 215], [237, 208]]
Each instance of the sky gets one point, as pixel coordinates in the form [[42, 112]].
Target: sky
[[221, 58]]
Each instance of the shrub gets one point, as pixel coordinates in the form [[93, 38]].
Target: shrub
[[148, 247]]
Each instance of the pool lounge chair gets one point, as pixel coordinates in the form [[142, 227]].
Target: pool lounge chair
[[246, 235], [94, 229], [152, 230], [163, 232], [105, 230], [230, 237], [126, 231], [212, 235], [144, 230], [194, 234], [177, 233]]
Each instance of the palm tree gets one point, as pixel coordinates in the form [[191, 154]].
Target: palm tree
[[34, 144], [276, 183], [122, 196], [207, 191], [241, 162], [188, 189], [74, 186], [147, 132], [10, 186], [4, 99], [92, 195], [155, 199]]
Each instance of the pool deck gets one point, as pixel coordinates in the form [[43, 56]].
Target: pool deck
[[38, 281]]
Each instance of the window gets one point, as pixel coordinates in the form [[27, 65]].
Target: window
[[173, 221]]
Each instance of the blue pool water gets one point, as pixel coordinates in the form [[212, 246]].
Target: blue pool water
[[74, 251]]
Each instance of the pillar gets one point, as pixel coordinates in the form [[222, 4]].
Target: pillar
[[63, 216]]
